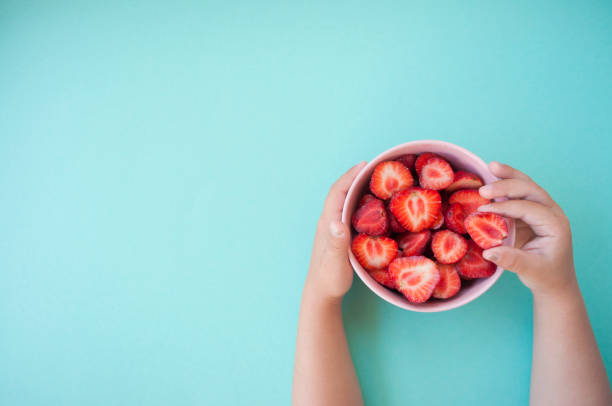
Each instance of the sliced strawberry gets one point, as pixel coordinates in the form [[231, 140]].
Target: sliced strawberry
[[422, 160], [394, 225], [390, 177], [454, 217], [371, 218], [383, 277], [407, 160], [436, 174], [465, 180], [450, 282], [473, 265], [448, 247], [416, 209], [488, 230], [364, 199], [470, 199], [374, 252], [415, 277], [414, 243], [439, 222]]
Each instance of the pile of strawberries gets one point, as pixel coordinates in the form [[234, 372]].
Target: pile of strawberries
[[422, 240]]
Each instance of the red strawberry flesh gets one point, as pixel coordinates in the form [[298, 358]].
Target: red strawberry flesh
[[488, 230], [449, 283], [390, 177], [473, 265], [464, 180], [436, 174], [415, 277], [416, 209], [422, 160], [414, 243], [448, 247], [371, 218], [374, 252], [470, 199], [454, 218]]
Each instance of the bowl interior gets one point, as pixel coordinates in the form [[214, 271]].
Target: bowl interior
[[460, 158]]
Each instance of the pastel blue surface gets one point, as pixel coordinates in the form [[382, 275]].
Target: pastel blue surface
[[163, 164]]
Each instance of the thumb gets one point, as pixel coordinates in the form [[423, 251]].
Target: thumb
[[338, 238], [512, 259]]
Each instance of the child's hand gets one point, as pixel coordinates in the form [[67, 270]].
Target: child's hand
[[542, 257], [330, 274]]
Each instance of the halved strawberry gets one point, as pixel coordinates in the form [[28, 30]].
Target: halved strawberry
[[473, 265], [383, 277], [416, 209], [414, 243], [364, 199], [371, 218], [488, 230], [454, 217], [436, 174], [448, 247], [415, 277], [422, 160], [374, 252], [394, 225], [465, 180], [449, 283], [407, 160], [390, 177], [470, 199], [439, 221]]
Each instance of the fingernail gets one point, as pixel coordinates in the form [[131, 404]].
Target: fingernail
[[491, 256], [485, 190], [336, 229], [486, 207], [362, 164]]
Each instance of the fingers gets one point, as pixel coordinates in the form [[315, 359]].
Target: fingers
[[512, 259], [540, 218], [506, 172], [337, 245], [337, 193], [516, 189]]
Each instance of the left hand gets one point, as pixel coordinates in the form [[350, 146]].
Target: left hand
[[330, 275]]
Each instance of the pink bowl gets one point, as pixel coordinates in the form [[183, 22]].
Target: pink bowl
[[460, 158]]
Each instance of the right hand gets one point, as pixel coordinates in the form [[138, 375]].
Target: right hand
[[542, 256]]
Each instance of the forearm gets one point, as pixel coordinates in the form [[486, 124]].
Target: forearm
[[567, 368], [324, 372]]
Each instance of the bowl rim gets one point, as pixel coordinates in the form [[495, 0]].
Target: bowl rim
[[375, 286]]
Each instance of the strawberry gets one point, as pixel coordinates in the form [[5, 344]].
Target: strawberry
[[454, 217], [371, 218], [436, 174], [465, 180], [488, 230], [439, 222], [390, 177], [415, 277], [450, 282], [422, 160], [383, 277], [416, 209], [414, 243], [448, 247], [374, 252], [394, 225], [407, 160], [470, 199], [473, 265], [364, 199]]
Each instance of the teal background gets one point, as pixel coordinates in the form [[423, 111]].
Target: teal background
[[163, 164]]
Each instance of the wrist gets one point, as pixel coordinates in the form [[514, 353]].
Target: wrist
[[568, 292], [313, 295]]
